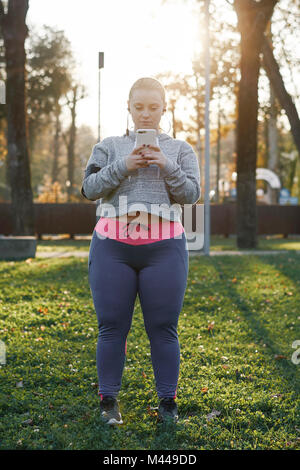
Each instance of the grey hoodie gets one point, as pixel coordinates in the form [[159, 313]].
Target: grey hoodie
[[154, 190]]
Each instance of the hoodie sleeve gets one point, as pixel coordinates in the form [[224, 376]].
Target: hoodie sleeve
[[183, 179], [100, 178]]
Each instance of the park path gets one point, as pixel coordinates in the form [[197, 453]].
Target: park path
[[82, 254]]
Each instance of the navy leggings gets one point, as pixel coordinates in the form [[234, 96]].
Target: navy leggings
[[158, 272]]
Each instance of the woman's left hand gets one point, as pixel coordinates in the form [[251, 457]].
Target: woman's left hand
[[153, 154]]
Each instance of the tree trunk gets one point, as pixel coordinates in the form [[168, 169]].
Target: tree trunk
[[71, 145], [273, 154], [56, 145], [14, 33], [218, 150], [252, 21]]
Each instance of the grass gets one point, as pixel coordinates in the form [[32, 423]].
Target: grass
[[217, 243], [239, 319]]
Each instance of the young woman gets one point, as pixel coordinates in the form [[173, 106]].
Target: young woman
[[139, 246]]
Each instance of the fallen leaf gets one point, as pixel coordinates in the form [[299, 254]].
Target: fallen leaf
[[67, 379], [279, 356], [43, 310], [152, 410], [211, 325], [204, 389], [19, 384]]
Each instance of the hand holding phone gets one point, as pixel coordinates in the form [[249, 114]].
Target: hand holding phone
[[136, 160], [147, 137], [146, 150]]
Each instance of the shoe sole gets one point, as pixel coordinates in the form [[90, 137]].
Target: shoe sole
[[111, 420], [114, 421]]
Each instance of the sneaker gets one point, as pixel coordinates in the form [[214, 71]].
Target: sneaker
[[167, 410], [110, 412]]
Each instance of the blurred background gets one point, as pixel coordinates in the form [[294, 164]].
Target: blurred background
[[165, 40]]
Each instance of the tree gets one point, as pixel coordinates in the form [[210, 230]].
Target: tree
[[77, 93], [15, 31], [253, 18], [50, 66]]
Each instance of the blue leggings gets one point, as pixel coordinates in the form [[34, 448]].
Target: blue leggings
[[158, 272]]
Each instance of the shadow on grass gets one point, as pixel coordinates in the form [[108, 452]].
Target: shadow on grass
[[283, 264], [258, 329]]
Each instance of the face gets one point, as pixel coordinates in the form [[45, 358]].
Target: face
[[146, 107]]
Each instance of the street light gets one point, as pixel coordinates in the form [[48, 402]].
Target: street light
[[100, 66]]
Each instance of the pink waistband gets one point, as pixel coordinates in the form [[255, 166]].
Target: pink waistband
[[135, 233]]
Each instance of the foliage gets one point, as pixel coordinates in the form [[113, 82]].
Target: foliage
[[51, 192]]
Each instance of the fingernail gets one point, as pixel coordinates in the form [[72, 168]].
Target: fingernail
[[144, 145]]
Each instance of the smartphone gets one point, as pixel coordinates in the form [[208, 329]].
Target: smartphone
[[147, 137]]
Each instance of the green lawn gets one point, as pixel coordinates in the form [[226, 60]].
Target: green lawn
[[217, 243], [238, 387]]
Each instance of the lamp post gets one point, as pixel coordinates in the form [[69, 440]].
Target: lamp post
[[100, 66]]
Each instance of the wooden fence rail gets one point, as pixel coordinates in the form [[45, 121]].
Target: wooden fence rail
[[80, 219]]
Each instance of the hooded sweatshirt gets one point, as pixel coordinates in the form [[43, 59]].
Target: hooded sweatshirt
[[154, 190]]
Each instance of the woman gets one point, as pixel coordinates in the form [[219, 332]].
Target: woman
[[149, 256]]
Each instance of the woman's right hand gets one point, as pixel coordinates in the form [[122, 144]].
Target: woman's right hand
[[136, 159]]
